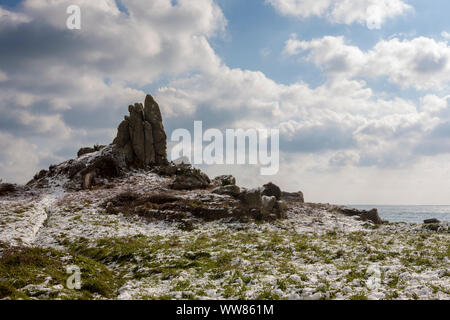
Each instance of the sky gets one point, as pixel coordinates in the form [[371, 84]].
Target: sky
[[359, 89]]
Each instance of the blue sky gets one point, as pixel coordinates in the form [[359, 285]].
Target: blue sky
[[254, 25], [358, 88]]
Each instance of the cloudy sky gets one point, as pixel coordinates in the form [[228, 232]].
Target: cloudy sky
[[358, 88]]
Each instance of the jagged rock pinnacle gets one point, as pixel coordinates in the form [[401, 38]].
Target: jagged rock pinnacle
[[141, 138]]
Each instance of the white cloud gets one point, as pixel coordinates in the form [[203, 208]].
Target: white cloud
[[72, 88], [75, 85], [342, 116], [18, 159], [7, 16], [155, 37], [372, 13], [421, 62], [433, 104], [445, 34], [301, 8]]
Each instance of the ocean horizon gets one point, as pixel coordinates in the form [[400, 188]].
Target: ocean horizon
[[409, 213]]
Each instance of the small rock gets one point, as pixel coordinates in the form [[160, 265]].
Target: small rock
[[293, 196], [84, 151], [251, 199], [371, 215], [186, 225], [429, 221], [230, 190], [224, 180], [88, 180]]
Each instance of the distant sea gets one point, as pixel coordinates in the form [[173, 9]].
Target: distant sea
[[409, 213]]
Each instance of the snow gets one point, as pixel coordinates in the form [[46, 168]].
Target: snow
[[50, 217]]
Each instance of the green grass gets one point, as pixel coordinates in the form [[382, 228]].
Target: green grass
[[20, 267], [234, 262]]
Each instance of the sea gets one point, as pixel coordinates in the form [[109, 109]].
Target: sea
[[404, 213]]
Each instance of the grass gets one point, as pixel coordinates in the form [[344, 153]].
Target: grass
[[237, 263], [23, 266]]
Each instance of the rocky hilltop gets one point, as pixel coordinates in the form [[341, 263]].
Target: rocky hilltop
[[140, 227], [141, 144]]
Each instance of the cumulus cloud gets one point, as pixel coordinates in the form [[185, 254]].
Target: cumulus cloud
[[421, 62], [74, 85], [372, 13], [342, 122], [7, 16], [18, 158], [63, 89]]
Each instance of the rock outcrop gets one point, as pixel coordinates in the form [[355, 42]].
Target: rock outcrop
[[188, 178], [7, 188], [262, 207], [271, 190], [141, 139], [140, 144], [371, 215], [226, 185], [430, 221], [293, 196]]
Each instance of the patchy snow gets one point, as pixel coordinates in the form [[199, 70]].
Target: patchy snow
[[314, 253], [22, 220]]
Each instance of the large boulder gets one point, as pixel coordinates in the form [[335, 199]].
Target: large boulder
[[371, 215], [251, 199], [7, 188], [189, 179], [141, 139], [271, 190]]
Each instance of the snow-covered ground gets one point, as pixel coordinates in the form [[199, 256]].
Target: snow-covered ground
[[313, 254]]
